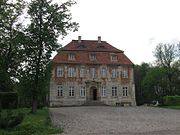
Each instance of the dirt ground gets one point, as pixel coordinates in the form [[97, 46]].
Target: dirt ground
[[105, 120]]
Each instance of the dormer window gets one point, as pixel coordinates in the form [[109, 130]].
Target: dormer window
[[71, 56], [92, 57], [113, 57]]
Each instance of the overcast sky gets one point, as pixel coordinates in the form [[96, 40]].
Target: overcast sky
[[134, 26]]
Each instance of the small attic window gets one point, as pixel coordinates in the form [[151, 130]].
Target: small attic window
[[71, 56], [113, 57], [92, 57]]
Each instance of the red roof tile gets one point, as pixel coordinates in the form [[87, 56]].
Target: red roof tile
[[83, 50]]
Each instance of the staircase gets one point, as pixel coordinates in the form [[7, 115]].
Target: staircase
[[94, 103]]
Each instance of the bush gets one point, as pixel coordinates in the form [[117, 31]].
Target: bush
[[9, 119], [8, 100], [171, 100]]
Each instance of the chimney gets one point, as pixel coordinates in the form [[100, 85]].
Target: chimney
[[99, 39], [79, 39]]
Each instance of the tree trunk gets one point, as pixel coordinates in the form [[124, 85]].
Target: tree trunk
[[34, 104]]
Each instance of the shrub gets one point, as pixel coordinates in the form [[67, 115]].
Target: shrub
[[171, 100], [9, 119], [8, 100]]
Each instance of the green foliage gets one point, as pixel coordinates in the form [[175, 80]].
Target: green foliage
[[10, 118], [171, 100], [8, 100], [34, 124], [47, 22], [11, 42]]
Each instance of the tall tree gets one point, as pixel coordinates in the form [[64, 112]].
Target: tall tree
[[166, 54], [10, 42], [48, 21]]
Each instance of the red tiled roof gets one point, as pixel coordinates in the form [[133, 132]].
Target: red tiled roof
[[83, 50], [90, 45]]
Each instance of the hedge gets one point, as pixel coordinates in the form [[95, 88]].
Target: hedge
[[8, 100], [171, 100]]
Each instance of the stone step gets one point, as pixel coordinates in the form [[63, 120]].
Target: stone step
[[94, 103]]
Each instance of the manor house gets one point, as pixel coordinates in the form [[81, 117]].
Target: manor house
[[86, 71]]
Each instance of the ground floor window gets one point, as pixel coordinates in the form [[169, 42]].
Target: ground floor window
[[71, 91], [125, 91], [82, 92], [60, 91], [114, 91], [103, 91]]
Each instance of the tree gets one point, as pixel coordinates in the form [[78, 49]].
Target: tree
[[10, 42], [154, 84], [140, 72], [48, 21], [166, 54]]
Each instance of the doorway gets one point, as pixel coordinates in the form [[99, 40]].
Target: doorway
[[93, 93]]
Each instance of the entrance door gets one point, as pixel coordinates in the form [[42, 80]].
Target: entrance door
[[94, 94]]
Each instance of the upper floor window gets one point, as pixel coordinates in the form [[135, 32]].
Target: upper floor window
[[92, 56], [82, 92], [113, 57], [71, 91], [103, 91], [59, 91], [71, 72], [82, 72], [103, 72], [93, 72], [71, 56], [125, 73], [125, 91], [114, 73], [60, 71], [114, 91]]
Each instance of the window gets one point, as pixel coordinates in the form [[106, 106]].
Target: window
[[71, 72], [82, 92], [82, 72], [113, 57], [103, 72], [125, 91], [71, 56], [92, 56], [125, 73], [114, 73], [103, 91], [60, 71], [59, 91], [71, 91], [93, 72], [114, 91]]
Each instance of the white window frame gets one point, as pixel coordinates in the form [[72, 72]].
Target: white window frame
[[71, 72], [114, 73], [125, 91], [93, 72], [82, 91], [103, 72], [71, 56], [103, 91], [114, 91], [125, 73], [82, 72], [71, 91], [114, 57], [92, 57], [60, 71], [59, 91]]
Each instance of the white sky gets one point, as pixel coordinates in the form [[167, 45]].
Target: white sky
[[134, 26]]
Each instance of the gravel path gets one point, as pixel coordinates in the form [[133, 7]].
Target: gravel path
[[105, 120]]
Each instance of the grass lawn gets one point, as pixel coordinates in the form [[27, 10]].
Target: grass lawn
[[33, 124], [172, 107]]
